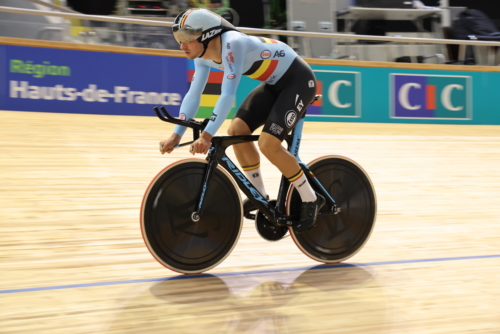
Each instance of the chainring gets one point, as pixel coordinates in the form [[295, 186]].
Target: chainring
[[267, 230]]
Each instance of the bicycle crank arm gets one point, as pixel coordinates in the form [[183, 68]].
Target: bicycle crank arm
[[288, 220], [328, 213], [294, 220]]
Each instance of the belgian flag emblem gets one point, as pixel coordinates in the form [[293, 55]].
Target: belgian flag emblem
[[262, 69]]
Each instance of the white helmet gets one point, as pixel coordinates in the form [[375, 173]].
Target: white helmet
[[199, 24]]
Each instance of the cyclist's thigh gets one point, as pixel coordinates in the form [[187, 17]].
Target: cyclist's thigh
[[290, 106], [255, 109]]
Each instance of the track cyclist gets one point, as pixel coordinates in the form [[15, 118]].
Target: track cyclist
[[288, 87]]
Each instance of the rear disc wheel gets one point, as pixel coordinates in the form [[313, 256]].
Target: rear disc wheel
[[337, 237]]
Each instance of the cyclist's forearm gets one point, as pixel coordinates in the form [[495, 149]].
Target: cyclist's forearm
[[207, 136], [175, 137], [189, 106]]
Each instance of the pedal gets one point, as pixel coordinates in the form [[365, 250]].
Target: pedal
[[289, 220]]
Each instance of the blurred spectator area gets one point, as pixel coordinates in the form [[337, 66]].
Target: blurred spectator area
[[316, 16], [489, 7], [339, 16], [28, 26], [248, 13], [93, 7]]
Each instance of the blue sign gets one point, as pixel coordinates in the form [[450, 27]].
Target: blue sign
[[69, 81]]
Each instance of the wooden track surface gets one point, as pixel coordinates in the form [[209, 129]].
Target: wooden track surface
[[71, 188]]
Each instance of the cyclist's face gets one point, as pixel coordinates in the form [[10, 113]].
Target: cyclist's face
[[192, 49]]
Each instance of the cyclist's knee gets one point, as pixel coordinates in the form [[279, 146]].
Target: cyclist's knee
[[238, 127], [269, 145]]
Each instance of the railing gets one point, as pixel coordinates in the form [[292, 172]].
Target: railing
[[165, 23]]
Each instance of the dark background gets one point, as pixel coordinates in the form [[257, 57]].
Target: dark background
[[490, 7], [252, 13], [93, 7]]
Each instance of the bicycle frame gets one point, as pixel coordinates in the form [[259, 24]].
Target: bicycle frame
[[217, 156]]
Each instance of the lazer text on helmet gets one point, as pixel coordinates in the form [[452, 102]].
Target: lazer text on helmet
[[210, 34]]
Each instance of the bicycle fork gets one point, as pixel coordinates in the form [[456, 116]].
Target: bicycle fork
[[212, 165]]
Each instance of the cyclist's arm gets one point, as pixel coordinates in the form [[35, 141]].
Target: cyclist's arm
[[191, 101], [232, 76]]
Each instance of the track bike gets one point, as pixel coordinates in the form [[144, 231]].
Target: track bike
[[192, 213]]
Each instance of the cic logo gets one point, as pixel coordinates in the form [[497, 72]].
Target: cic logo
[[341, 92], [428, 96]]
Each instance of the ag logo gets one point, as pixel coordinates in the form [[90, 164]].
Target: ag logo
[[231, 76], [265, 54], [290, 118], [210, 34], [280, 53]]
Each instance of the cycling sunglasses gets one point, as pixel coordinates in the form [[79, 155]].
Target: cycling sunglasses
[[185, 34]]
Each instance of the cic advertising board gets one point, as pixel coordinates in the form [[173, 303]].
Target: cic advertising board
[[383, 95], [71, 81]]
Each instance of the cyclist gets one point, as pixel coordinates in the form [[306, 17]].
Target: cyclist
[[288, 87]]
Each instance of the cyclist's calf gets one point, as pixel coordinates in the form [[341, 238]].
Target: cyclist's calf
[[246, 153]]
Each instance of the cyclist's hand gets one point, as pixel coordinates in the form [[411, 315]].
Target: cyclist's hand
[[167, 145], [201, 145]]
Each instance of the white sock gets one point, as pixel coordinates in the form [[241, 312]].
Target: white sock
[[254, 175], [299, 181]]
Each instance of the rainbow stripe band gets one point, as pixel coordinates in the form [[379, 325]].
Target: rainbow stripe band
[[296, 176], [249, 168]]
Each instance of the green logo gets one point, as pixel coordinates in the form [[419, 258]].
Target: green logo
[[38, 70]]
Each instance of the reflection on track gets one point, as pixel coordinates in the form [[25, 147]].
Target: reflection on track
[[316, 300]]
